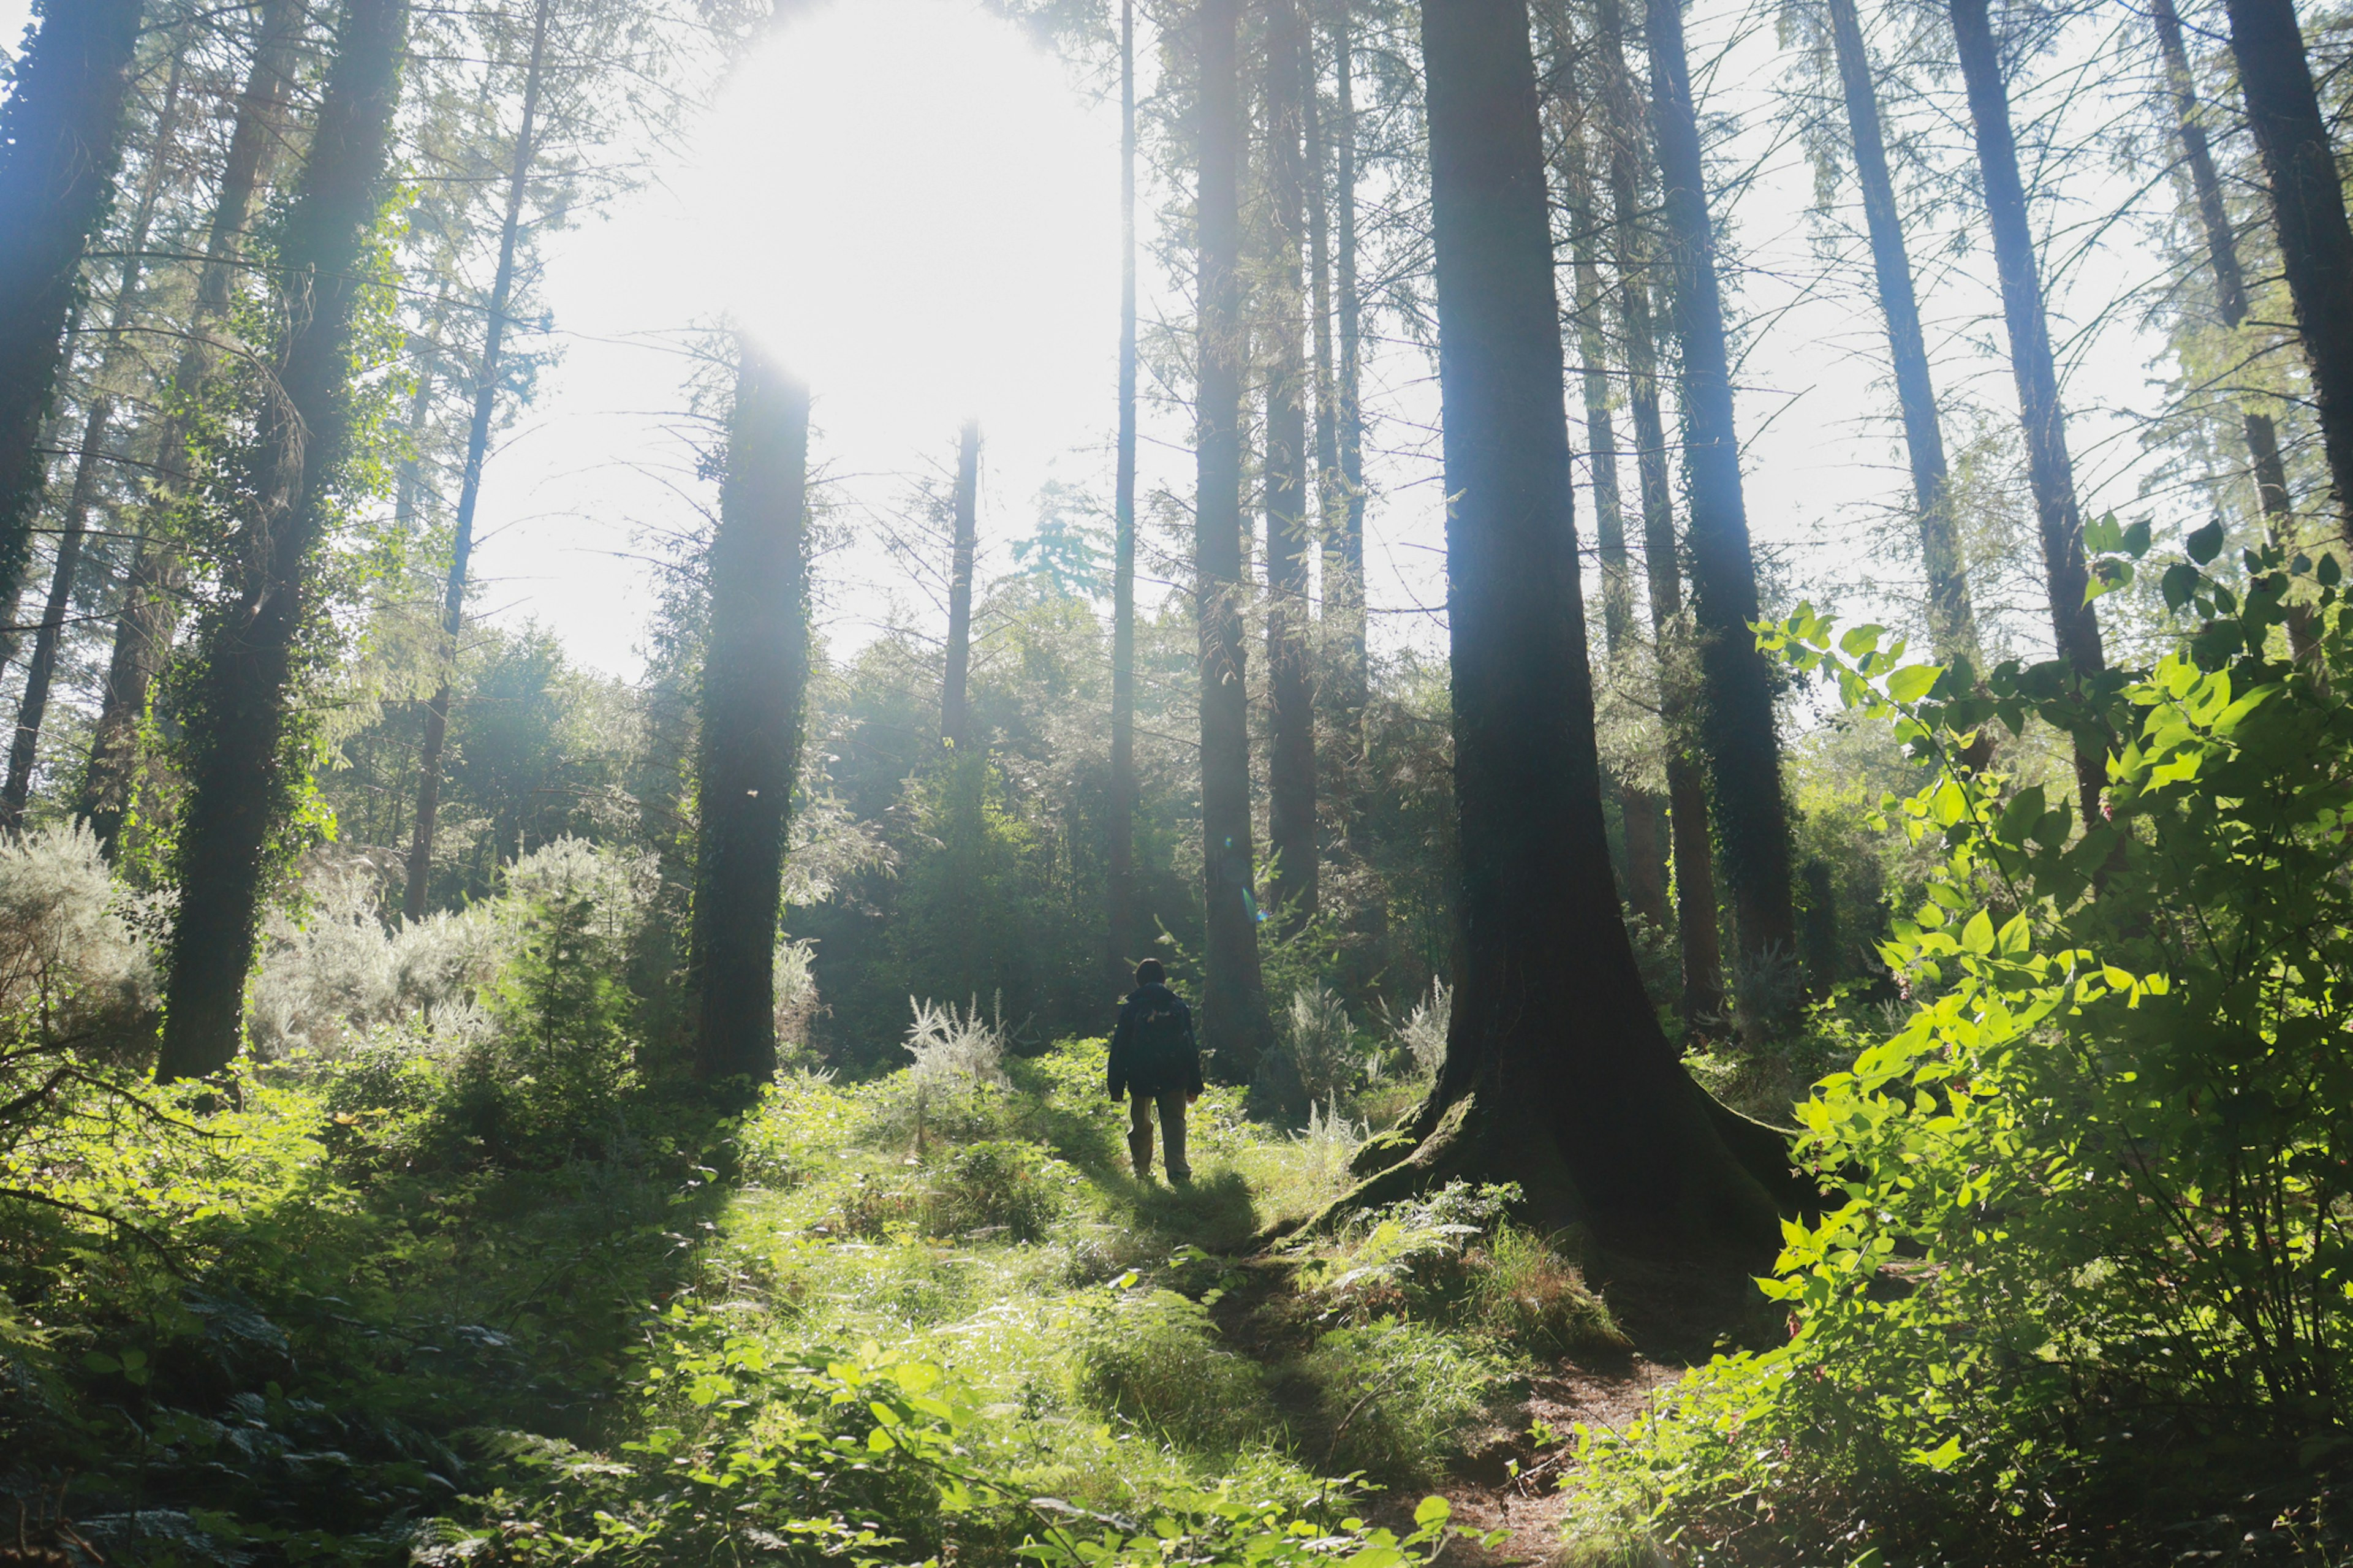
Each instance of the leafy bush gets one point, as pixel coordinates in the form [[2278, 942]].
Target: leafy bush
[[1002, 1182], [1396, 1397], [1152, 1357], [2089, 1282]]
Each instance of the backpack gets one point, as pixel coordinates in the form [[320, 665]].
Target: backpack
[[1164, 1046]]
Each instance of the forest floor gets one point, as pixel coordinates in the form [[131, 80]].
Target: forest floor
[[384, 1344]]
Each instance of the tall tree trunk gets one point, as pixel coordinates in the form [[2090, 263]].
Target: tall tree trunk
[[1344, 597], [1234, 1024], [956, 705], [240, 783], [151, 599], [33, 709], [1125, 922], [2076, 629], [1952, 621], [1744, 753], [1557, 1074], [1699, 939], [60, 138], [1289, 540], [2308, 210], [487, 373], [754, 680], [1639, 810]]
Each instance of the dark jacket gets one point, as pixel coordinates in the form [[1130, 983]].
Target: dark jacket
[[1126, 1072]]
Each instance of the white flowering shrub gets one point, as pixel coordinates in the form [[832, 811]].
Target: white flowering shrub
[[78, 957]]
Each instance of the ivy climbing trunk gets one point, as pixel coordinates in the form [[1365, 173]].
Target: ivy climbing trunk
[[755, 683], [60, 138], [2050, 472], [241, 775], [1126, 924], [149, 615], [488, 372], [1952, 620], [1690, 842], [98, 420], [1234, 1025], [955, 700], [1640, 812], [1290, 538], [2308, 213], [1735, 710], [1557, 1074]]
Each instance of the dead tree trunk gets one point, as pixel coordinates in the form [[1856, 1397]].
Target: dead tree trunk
[[754, 681], [1124, 918], [2050, 472], [239, 780], [151, 598], [955, 702], [1289, 540], [1737, 724], [1690, 842], [487, 374], [1555, 1074], [60, 138], [1234, 1024], [1952, 621], [2308, 210]]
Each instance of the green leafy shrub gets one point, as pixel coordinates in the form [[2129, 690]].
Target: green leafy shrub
[[2088, 1291], [1395, 1398], [1003, 1183], [1152, 1357]]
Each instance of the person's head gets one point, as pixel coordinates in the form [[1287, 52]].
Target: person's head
[[1150, 973]]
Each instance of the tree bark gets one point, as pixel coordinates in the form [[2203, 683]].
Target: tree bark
[[416, 895], [956, 705], [151, 598], [1345, 596], [2308, 212], [1557, 1074], [1699, 939], [2076, 629], [1125, 926], [1736, 724], [1639, 810], [240, 781], [61, 140], [1235, 1028], [754, 681], [32, 711], [1952, 620], [1290, 541]]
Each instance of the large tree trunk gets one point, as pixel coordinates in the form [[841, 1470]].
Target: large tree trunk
[[1737, 725], [1344, 596], [2076, 629], [60, 138], [1290, 541], [1952, 621], [33, 709], [1557, 1074], [755, 678], [1234, 1024], [955, 701], [2308, 210], [1699, 939], [1639, 810], [487, 372], [151, 599], [1124, 917], [240, 782]]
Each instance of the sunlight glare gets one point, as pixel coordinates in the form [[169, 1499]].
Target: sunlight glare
[[911, 204]]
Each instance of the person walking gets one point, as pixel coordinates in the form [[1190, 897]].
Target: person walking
[[1155, 1060]]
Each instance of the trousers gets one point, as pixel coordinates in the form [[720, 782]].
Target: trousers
[[1171, 1132]]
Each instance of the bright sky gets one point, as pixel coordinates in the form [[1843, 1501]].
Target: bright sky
[[919, 210]]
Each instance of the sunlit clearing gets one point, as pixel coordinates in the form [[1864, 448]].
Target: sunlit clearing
[[915, 208]]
